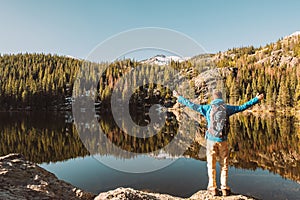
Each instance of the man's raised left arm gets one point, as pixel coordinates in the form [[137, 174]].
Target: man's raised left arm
[[248, 104]]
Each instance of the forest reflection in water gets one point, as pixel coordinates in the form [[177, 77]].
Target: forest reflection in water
[[268, 142]]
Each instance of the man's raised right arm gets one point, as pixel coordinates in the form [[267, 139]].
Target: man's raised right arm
[[202, 109]]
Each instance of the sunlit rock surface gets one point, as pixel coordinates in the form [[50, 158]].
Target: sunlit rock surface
[[20, 179], [128, 194]]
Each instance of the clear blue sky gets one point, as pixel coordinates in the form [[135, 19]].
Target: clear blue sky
[[73, 27]]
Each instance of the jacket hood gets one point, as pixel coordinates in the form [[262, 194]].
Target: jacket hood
[[215, 101]]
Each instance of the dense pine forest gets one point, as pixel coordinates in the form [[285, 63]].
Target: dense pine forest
[[36, 81], [43, 82], [273, 70]]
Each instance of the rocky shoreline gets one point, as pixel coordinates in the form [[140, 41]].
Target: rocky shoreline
[[131, 194], [21, 179]]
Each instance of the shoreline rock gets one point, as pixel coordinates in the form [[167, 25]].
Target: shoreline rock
[[21, 179], [129, 193]]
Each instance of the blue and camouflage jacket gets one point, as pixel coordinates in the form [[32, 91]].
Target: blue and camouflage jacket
[[205, 111]]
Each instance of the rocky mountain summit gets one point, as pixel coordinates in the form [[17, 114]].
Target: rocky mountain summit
[[21, 179]]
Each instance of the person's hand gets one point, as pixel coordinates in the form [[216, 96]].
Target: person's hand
[[175, 94], [177, 114], [260, 96]]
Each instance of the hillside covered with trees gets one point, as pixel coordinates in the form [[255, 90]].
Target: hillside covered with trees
[[35, 81], [44, 82], [273, 70]]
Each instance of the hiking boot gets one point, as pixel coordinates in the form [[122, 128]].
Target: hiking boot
[[213, 192], [226, 192]]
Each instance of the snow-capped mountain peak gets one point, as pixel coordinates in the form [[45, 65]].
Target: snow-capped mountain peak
[[294, 34], [163, 59]]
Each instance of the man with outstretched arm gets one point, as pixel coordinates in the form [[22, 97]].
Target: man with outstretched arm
[[217, 116]]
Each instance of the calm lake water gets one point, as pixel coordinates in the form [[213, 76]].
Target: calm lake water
[[264, 156]]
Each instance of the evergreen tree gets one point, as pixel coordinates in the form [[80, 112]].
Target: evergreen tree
[[297, 95], [283, 99]]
